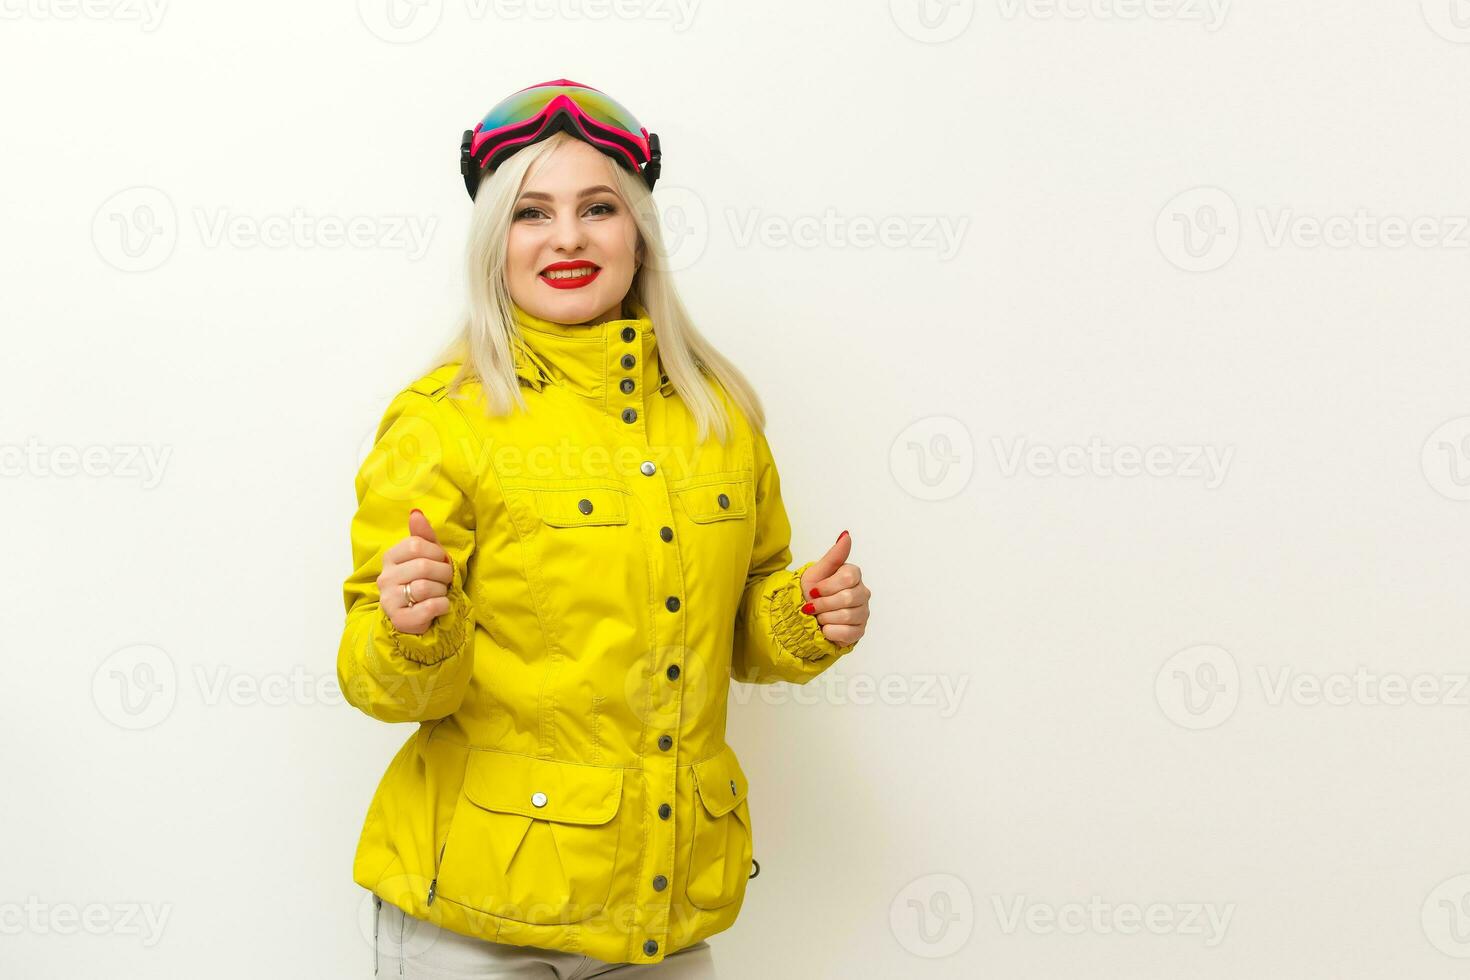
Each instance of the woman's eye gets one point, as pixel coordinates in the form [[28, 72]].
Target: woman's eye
[[529, 212], [609, 208]]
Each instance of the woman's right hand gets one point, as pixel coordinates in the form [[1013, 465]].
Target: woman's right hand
[[420, 562]]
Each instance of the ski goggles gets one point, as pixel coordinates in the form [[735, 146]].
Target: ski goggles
[[534, 113]]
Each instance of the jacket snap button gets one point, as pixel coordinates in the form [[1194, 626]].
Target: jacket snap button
[[724, 501], [673, 672], [584, 505], [629, 414], [647, 468], [626, 385], [650, 947], [660, 883], [666, 532], [628, 360], [664, 742], [733, 790], [672, 602], [538, 799], [665, 811], [629, 334]]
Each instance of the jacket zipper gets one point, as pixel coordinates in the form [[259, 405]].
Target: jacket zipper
[[433, 885]]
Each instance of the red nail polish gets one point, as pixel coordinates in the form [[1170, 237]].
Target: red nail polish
[[415, 511], [815, 593], [809, 608], [839, 537]]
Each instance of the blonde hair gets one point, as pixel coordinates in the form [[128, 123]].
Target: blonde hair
[[482, 344]]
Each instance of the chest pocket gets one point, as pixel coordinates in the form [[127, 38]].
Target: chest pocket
[[582, 555], [723, 499], [582, 506], [718, 525]]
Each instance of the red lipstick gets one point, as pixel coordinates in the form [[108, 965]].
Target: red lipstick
[[574, 281]]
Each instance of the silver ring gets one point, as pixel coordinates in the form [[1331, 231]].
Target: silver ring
[[408, 593]]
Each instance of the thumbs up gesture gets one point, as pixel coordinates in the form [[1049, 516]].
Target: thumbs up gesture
[[836, 593], [417, 572]]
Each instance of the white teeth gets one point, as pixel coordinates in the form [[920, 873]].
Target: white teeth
[[586, 270]]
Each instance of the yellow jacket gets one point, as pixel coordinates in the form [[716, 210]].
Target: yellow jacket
[[569, 785]]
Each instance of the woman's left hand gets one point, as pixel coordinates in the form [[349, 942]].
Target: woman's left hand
[[836, 594]]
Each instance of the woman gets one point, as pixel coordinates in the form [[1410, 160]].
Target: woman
[[569, 538]]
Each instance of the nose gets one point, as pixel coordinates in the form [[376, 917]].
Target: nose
[[567, 234]]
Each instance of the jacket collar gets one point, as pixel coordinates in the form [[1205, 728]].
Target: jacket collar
[[588, 358]]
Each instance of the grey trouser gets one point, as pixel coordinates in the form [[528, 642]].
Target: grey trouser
[[413, 949]]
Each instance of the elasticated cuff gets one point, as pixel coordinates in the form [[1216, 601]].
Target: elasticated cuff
[[795, 632], [447, 636]]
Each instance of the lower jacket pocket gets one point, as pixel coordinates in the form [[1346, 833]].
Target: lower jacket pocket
[[535, 840], [721, 849]]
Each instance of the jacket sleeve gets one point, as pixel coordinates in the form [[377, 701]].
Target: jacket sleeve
[[774, 639], [418, 460]]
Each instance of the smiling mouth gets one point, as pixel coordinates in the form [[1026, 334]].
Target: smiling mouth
[[569, 275], [577, 273]]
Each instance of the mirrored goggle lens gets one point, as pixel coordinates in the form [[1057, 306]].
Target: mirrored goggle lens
[[530, 103]]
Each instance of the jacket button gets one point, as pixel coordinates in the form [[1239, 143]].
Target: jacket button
[[628, 360], [647, 468], [629, 414], [660, 883], [733, 790], [666, 532], [665, 811], [724, 501], [629, 334], [664, 742], [672, 602], [627, 385], [584, 505], [538, 799], [650, 947], [673, 672]]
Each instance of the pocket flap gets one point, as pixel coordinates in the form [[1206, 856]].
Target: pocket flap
[[546, 789], [716, 500], [720, 782], [582, 506]]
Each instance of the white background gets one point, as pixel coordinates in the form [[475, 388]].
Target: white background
[[1132, 193]]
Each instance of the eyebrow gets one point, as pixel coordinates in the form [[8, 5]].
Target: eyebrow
[[586, 192]]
